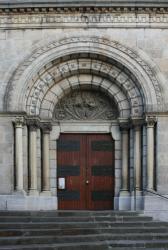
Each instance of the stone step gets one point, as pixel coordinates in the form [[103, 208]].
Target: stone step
[[63, 225], [97, 245], [26, 240], [18, 219], [81, 231], [68, 213]]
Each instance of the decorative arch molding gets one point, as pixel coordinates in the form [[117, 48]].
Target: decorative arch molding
[[87, 82], [26, 73], [104, 75]]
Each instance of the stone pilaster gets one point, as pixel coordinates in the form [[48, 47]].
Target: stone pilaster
[[33, 125], [19, 123], [46, 128], [151, 120]]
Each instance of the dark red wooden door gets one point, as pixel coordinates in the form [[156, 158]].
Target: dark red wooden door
[[86, 161]]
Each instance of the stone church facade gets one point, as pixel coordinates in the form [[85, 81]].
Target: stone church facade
[[88, 68]]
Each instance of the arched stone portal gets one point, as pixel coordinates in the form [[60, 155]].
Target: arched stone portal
[[92, 65]]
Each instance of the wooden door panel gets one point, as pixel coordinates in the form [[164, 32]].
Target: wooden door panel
[[102, 182], [81, 158], [100, 172], [69, 160]]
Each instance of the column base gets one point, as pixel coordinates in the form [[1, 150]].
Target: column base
[[19, 193], [45, 193], [137, 200], [124, 200], [33, 192]]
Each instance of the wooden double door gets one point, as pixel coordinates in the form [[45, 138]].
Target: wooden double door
[[85, 171]]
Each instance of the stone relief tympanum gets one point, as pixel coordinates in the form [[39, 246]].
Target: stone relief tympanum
[[85, 105]]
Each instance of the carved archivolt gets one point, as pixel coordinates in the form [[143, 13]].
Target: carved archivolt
[[28, 72], [92, 68], [83, 82], [85, 105]]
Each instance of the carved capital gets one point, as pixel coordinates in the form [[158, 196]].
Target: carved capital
[[33, 124], [137, 123], [125, 125], [46, 127], [19, 122], [151, 121]]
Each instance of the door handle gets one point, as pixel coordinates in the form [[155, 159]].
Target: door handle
[[87, 182]]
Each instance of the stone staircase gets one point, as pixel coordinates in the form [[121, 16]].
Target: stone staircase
[[81, 230]]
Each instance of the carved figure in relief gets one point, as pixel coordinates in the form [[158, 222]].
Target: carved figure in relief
[[85, 105]]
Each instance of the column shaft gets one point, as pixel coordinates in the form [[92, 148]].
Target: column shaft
[[45, 164], [150, 155], [124, 196], [125, 153], [137, 157], [19, 155], [33, 160], [46, 128]]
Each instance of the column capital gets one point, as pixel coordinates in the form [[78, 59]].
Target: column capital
[[19, 122], [151, 121], [46, 127], [33, 124], [137, 123], [124, 127], [124, 124]]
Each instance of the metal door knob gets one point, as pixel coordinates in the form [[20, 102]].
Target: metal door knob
[[87, 181]]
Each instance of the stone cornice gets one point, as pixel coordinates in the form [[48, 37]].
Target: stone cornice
[[82, 9], [81, 19], [76, 3], [75, 14], [83, 6]]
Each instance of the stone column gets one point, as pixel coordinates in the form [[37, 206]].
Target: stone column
[[137, 157], [125, 153], [33, 125], [19, 122], [46, 128], [124, 203], [150, 151], [137, 200], [116, 136]]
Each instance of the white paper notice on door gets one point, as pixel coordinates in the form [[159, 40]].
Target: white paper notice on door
[[61, 183]]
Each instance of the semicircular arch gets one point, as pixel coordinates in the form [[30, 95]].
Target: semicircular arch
[[144, 76], [83, 82], [117, 79]]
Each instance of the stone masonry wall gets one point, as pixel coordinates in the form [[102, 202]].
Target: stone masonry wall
[[6, 155], [15, 45]]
